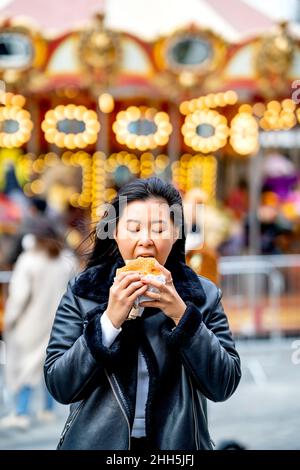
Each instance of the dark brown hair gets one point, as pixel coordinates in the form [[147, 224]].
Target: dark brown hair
[[105, 249]]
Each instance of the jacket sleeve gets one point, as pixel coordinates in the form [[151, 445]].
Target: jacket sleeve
[[207, 349], [71, 370]]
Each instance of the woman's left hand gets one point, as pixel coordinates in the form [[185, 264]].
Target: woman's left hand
[[167, 299]]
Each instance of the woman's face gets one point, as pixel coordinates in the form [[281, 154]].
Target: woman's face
[[145, 229]]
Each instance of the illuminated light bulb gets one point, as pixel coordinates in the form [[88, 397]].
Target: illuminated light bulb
[[79, 112], [37, 186], [245, 108], [258, 109], [209, 100], [69, 111], [46, 126], [230, 97], [59, 139], [18, 101], [184, 107], [59, 113], [274, 106], [22, 115], [8, 98], [106, 103], [50, 135], [69, 141], [89, 115], [92, 126], [50, 117], [161, 140], [26, 126], [150, 113], [6, 113], [288, 104], [79, 141], [133, 113], [161, 117], [244, 134], [220, 99], [131, 141]]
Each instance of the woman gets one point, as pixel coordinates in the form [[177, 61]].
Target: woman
[[38, 281], [140, 384]]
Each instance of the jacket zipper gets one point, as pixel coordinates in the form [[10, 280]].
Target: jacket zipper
[[195, 417], [69, 423], [119, 403]]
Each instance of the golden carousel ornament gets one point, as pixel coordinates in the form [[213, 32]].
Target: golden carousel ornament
[[100, 54], [142, 128], [273, 61], [23, 52], [187, 57], [15, 122]]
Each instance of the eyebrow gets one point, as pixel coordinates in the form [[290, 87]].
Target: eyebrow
[[153, 221]]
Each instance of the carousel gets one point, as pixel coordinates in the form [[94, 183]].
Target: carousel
[[88, 105]]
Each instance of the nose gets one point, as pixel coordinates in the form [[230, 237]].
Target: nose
[[145, 239]]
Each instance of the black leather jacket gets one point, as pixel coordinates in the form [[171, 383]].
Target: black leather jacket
[[187, 364]]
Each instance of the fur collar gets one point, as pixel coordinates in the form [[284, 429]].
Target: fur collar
[[94, 283]]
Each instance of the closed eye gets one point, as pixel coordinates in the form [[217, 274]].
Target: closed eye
[[133, 227]]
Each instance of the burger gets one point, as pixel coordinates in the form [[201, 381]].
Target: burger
[[144, 265], [147, 267]]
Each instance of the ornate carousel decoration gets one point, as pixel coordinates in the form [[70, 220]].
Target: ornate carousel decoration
[[274, 58], [142, 128], [23, 52], [205, 131], [187, 57], [100, 54], [279, 116], [244, 133], [71, 126], [15, 122]]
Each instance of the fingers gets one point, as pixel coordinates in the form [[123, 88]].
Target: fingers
[[159, 285], [123, 274], [154, 295], [128, 278], [133, 286], [138, 292], [150, 304]]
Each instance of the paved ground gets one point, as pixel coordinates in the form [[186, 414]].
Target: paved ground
[[264, 413]]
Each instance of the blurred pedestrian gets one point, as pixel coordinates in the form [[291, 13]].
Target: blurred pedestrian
[[38, 281]]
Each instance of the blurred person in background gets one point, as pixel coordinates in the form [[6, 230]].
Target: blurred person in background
[[212, 230], [39, 278], [275, 229], [194, 202], [35, 212], [238, 199]]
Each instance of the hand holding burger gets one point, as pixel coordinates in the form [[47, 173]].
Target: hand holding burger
[[132, 281], [165, 296]]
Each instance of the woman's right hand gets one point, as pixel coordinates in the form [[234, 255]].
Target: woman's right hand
[[122, 295]]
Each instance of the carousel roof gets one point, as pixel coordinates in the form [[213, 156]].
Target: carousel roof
[[233, 19]]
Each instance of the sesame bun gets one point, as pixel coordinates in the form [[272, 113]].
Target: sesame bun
[[142, 265]]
